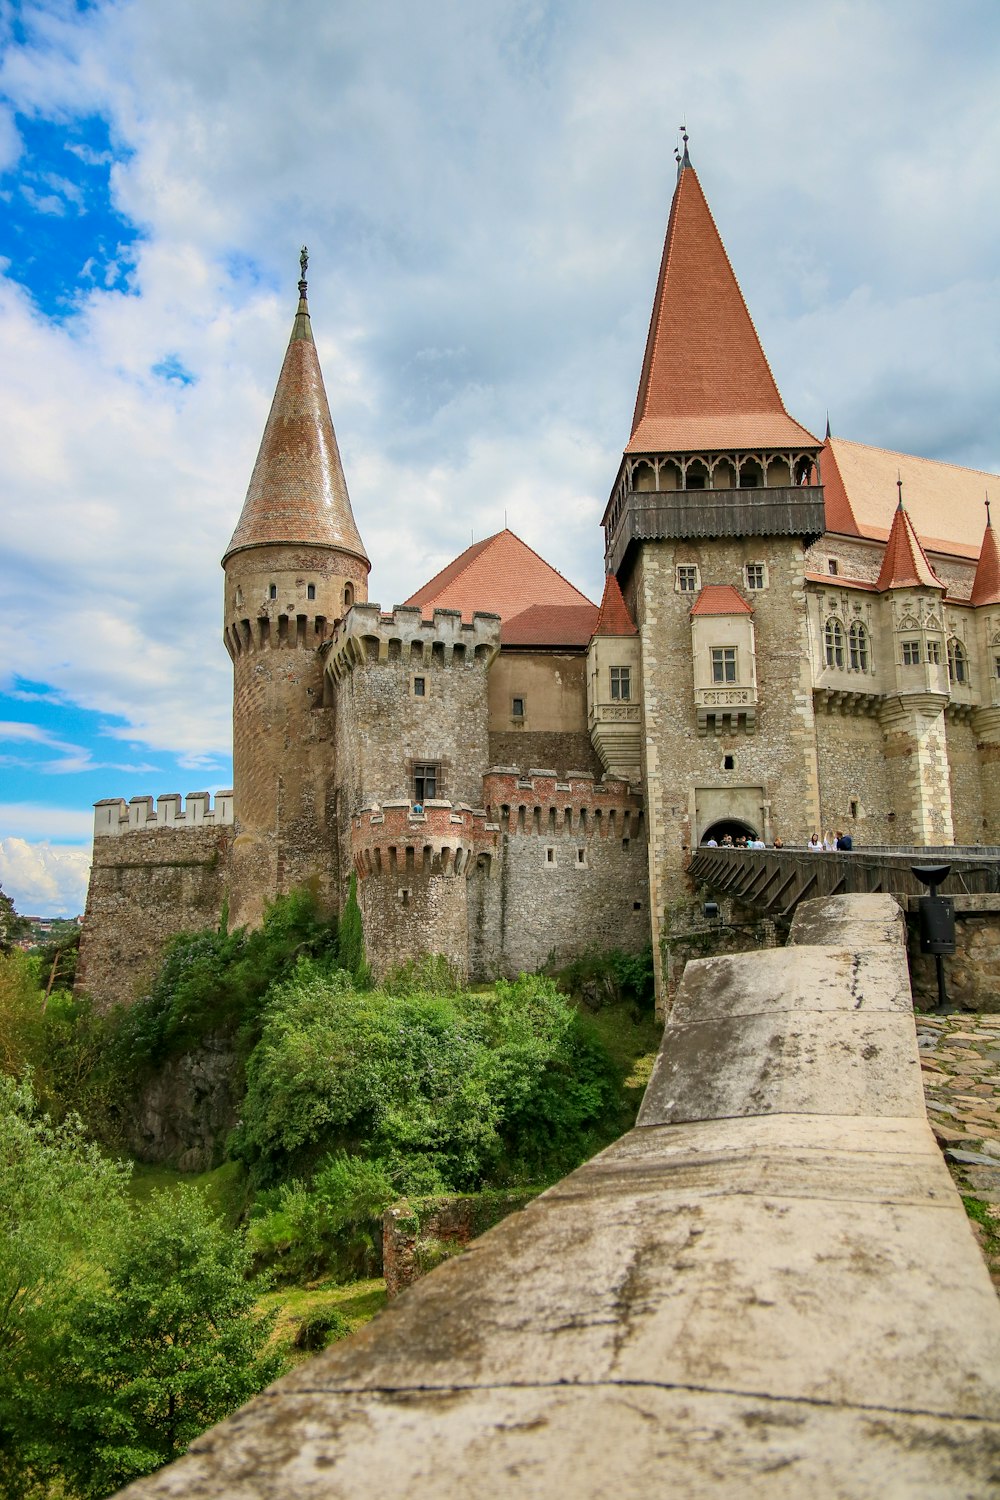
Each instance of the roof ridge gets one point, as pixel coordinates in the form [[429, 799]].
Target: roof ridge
[[942, 463], [528, 547]]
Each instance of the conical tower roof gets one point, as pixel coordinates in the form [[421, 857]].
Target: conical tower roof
[[986, 584], [614, 618], [905, 564], [297, 492], [705, 382]]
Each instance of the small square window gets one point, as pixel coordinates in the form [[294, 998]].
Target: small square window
[[911, 653], [729, 762], [832, 566], [426, 782], [420, 687], [517, 708], [621, 684], [310, 591], [755, 575], [687, 580], [550, 855]]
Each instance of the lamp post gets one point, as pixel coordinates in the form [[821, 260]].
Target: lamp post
[[937, 923]]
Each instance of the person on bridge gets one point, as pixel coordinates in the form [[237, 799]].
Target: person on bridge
[[844, 841], [815, 843]]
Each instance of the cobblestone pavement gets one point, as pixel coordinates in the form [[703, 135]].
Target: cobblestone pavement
[[960, 1058]]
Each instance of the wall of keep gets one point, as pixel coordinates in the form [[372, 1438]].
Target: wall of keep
[[967, 813], [571, 873], [145, 887], [414, 913], [853, 769], [563, 750]]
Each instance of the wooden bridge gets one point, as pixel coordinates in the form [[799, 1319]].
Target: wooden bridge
[[774, 881]]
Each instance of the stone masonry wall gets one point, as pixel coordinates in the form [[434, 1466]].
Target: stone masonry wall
[[966, 781], [852, 768], [145, 887], [563, 750], [972, 972]]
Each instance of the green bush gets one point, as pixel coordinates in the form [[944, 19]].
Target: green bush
[[445, 1092]]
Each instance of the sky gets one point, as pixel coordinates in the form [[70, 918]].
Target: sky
[[484, 190]]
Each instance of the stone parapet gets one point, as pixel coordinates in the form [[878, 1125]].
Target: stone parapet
[[114, 816], [540, 802], [367, 635], [441, 838]]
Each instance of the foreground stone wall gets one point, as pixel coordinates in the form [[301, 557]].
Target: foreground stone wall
[[767, 1289]]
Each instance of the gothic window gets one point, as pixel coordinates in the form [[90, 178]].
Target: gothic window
[[958, 661], [911, 653], [834, 639], [697, 476], [723, 663], [934, 653], [687, 580], [751, 474], [426, 781], [621, 684], [996, 665], [754, 574], [858, 647]]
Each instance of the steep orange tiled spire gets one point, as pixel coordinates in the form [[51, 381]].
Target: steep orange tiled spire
[[986, 584], [905, 563], [297, 492], [705, 379], [614, 618]]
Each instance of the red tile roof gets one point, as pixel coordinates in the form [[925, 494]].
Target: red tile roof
[[944, 501], [905, 564], [505, 577], [550, 625], [720, 599], [986, 585], [705, 381], [297, 491], [614, 618]]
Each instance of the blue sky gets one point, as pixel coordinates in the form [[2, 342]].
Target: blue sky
[[484, 191]]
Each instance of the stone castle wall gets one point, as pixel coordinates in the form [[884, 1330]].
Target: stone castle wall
[[853, 770], [154, 874], [966, 775]]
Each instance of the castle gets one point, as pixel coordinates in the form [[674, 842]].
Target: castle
[[794, 635]]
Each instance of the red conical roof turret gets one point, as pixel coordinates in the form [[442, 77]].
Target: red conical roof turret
[[705, 379], [905, 563], [986, 584], [614, 618], [297, 492]]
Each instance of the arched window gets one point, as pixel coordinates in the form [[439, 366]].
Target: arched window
[[958, 661], [858, 647], [834, 643], [348, 595]]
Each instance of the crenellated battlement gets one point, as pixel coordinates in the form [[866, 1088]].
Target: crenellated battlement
[[114, 816], [542, 803], [367, 636], [435, 838], [278, 632]]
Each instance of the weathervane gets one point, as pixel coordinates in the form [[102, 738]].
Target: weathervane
[[303, 267]]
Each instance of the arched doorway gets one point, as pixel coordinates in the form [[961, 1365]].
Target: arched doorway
[[733, 827]]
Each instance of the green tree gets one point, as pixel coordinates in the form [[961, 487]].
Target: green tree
[[171, 1344], [61, 1204], [351, 938], [11, 925]]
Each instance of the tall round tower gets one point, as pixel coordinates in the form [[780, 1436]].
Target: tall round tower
[[294, 566]]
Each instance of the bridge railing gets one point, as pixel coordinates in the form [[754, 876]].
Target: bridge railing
[[776, 880]]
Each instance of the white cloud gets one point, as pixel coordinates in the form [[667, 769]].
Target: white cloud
[[44, 879]]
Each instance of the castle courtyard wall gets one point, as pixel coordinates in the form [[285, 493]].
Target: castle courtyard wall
[[853, 770], [967, 810]]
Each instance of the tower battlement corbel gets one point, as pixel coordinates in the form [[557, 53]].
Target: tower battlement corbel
[[367, 635]]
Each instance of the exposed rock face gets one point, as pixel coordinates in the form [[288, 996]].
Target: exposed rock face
[[185, 1113]]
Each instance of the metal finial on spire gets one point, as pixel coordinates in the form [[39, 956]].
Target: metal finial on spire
[[989, 523], [899, 486], [303, 267], [829, 434]]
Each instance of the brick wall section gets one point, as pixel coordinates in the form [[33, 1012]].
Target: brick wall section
[[146, 886]]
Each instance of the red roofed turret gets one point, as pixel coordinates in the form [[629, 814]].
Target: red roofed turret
[[614, 618], [905, 564], [297, 491], [986, 584]]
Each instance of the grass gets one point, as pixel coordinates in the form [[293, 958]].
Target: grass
[[224, 1187], [632, 1046], [357, 1303]]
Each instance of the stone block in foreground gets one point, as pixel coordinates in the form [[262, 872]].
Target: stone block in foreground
[[767, 1288]]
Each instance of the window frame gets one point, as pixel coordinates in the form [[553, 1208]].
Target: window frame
[[910, 651], [620, 678], [858, 647], [425, 771], [685, 584], [958, 662], [751, 570], [724, 661], [833, 643]]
